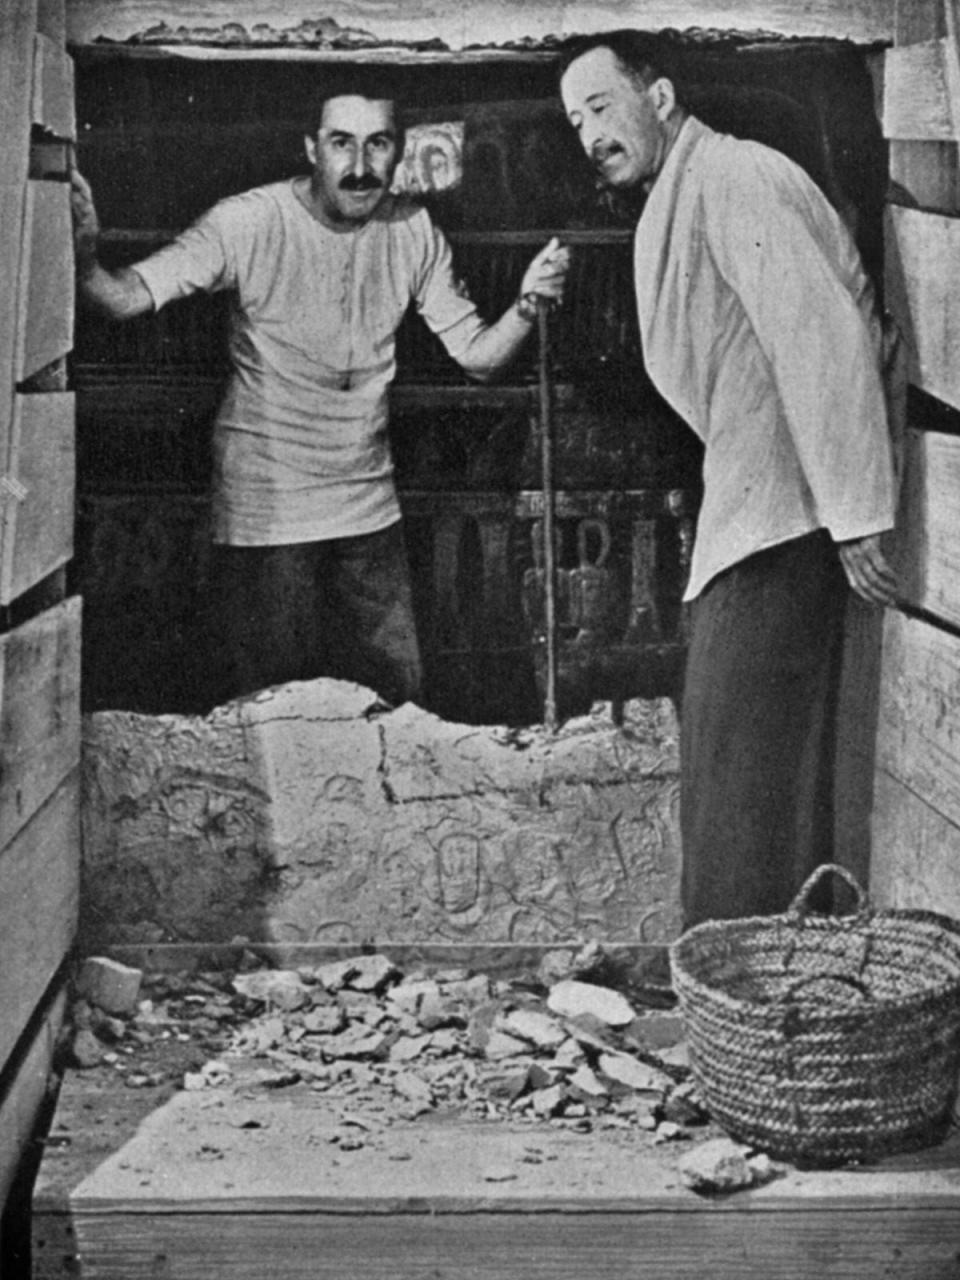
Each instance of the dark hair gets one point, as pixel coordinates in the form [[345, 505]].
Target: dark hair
[[374, 90], [643, 55]]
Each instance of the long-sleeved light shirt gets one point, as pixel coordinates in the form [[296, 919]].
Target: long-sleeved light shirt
[[757, 323], [300, 444]]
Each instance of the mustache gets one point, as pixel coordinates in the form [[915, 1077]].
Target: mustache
[[365, 182]]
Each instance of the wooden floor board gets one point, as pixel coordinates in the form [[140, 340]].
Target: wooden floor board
[[512, 1246], [245, 1182]]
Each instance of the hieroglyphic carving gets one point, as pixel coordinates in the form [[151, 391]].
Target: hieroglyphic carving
[[282, 817]]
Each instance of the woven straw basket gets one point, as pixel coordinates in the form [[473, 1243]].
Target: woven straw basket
[[824, 1039]]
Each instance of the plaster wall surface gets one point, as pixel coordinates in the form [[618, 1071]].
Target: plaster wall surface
[[311, 813]]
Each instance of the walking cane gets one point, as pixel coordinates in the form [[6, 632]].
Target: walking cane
[[549, 544]]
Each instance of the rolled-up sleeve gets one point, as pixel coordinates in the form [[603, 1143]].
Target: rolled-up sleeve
[[444, 300], [196, 261]]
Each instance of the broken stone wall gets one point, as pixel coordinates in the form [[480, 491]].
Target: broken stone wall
[[312, 814]]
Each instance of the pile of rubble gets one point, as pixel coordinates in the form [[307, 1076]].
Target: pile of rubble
[[392, 1047]]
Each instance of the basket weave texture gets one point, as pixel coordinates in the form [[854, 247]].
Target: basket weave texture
[[824, 1039]]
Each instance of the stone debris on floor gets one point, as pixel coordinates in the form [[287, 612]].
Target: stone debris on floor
[[387, 1047]]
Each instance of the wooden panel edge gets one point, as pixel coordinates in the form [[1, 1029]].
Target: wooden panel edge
[[916, 104], [923, 292], [39, 878], [21, 1102]]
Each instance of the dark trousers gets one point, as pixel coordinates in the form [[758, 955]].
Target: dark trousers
[[341, 608], [757, 730]]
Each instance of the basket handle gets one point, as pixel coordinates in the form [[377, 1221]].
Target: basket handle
[[800, 906], [846, 979]]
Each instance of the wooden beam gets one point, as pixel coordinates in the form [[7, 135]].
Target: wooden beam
[[39, 872], [18, 22], [916, 103], [926, 171], [809, 1245], [37, 493], [923, 292], [20, 1103], [918, 733], [40, 723], [915, 859], [53, 101], [927, 544], [951, 58], [45, 330]]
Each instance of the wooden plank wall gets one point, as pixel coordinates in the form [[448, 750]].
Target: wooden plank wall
[[916, 814], [39, 625]]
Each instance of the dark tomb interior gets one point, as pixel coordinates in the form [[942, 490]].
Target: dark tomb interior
[[163, 137]]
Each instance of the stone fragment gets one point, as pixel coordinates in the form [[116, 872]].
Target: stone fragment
[[543, 1075], [569, 1056], [678, 1056], [718, 1165], [652, 1032], [586, 1084], [336, 974], [507, 1084], [634, 1074], [275, 1079], [547, 1102], [355, 1042], [277, 988], [667, 1131], [409, 1047], [372, 973], [324, 1019], [438, 1011], [539, 1028], [570, 999], [413, 1088], [588, 1030], [108, 1028], [469, 991], [590, 960], [554, 967], [446, 1040], [111, 986], [480, 1024], [81, 1015], [361, 1004], [500, 1045], [409, 993], [762, 1167], [447, 976], [684, 1105], [260, 1035], [86, 1050]]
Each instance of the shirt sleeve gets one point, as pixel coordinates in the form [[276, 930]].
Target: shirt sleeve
[[442, 299], [197, 260], [795, 270]]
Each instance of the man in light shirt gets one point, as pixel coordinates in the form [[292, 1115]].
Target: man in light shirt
[[758, 326], [311, 565]]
